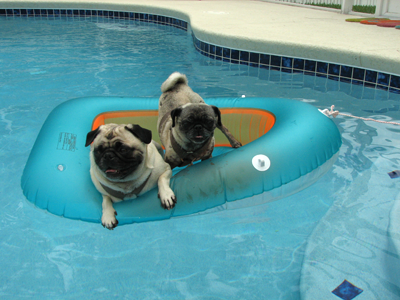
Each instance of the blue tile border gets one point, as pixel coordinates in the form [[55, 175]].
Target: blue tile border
[[333, 71], [286, 64], [144, 17]]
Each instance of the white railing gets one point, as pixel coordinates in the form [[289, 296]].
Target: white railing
[[365, 2], [310, 1], [356, 2], [384, 8]]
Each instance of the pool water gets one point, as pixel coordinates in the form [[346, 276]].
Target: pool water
[[302, 246]]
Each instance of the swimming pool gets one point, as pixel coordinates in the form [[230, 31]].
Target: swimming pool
[[334, 230]]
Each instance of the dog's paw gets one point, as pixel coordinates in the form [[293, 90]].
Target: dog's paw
[[236, 144], [168, 200], [108, 220]]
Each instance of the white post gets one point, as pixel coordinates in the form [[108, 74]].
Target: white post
[[347, 6], [379, 8]]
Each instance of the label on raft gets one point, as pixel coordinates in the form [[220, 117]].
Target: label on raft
[[66, 141]]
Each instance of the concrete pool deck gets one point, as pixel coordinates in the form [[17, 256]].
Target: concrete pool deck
[[265, 27]]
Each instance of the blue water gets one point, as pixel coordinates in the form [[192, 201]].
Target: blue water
[[304, 245]]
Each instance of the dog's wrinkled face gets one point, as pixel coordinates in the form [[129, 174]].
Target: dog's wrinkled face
[[117, 159], [119, 150], [196, 122]]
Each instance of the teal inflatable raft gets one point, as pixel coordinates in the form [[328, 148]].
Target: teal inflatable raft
[[287, 146]]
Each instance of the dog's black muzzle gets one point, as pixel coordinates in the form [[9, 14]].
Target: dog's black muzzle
[[115, 165]]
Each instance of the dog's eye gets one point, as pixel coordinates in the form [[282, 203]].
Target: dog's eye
[[209, 122], [123, 150], [186, 124]]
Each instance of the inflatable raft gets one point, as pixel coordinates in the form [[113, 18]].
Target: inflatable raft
[[287, 146]]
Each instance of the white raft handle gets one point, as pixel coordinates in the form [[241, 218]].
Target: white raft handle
[[335, 113]]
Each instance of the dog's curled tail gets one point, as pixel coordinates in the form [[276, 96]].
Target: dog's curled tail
[[173, 79]]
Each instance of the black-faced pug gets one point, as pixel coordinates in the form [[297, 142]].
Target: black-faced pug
[[124, 164], [186, 123]]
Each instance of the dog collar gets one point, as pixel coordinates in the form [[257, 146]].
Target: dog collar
[[121, 195]]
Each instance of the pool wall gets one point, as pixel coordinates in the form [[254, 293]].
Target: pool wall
[[373, 78]]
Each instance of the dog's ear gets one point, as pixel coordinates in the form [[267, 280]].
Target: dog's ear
[[175, 113], [142, 134], [91, 136], [218, 113]]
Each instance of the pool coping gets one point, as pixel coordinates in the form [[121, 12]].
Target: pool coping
[[288, 64]]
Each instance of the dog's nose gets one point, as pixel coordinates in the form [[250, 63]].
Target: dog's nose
[[109, 155]]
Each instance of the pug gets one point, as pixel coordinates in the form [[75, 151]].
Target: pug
[[186, 123], [124, 164]]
